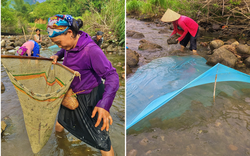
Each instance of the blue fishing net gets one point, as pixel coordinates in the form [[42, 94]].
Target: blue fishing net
[[154, 84]]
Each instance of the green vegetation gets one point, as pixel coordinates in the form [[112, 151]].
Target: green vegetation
[[213, 10], [235, 2], [18, 14]]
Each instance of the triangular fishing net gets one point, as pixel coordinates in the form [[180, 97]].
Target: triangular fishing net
[[40, 86], [156, 83]]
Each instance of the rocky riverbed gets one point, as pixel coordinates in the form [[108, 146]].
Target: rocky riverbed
[[217, 44]]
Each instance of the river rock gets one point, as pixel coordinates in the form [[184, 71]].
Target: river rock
[[12, 38], [3, 126], [10, 44], [233, 147], [247, 62], [3, 43], [230, 41], [235, 44], [105, 45], [242, 41], [132, 152], [130, 33], [243, 49], [121, 115], [2, 87], [144, 142], [216, 44], [9, 48], [128, 70], [163, 31], [18, 43], [230, 48], [11, 52], [223, 56], [132, 57], [216, 27], [43, 43], [248, 42], [180, 53], [146, 45], [138, 35], [201, 32], [172, 39]]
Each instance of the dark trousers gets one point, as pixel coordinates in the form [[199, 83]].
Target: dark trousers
[[189, 37]]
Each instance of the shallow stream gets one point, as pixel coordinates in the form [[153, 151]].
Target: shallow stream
[[15, 141]]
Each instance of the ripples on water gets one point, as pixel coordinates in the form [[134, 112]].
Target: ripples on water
[[191, 124], [15, 140]]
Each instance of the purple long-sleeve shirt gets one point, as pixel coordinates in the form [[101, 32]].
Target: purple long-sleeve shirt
[[89, 60]]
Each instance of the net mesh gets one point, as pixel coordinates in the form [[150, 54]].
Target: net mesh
[[40, 86], [154, 84]]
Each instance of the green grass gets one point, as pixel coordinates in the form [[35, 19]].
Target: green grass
[[134, 6]]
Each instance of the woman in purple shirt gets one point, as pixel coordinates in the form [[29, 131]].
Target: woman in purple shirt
[[90, 121]]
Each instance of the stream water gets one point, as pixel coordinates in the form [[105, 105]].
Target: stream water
[[151, 33], [192, 124], [15, 141]]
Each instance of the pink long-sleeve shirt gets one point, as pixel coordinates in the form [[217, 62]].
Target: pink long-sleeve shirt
[[187, 24], [30, 46]]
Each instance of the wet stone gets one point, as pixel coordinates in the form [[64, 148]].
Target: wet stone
[[2, 87], [3, 126], [233, 147], [133, 152], [144, 142]]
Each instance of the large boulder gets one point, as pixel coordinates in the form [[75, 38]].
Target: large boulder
[[128, 70], [223, 56], [247, 62], [132, 57], [243, 49], [146, 45], [215, 44]]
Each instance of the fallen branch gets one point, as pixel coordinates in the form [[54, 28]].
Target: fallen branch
[[247, 6]]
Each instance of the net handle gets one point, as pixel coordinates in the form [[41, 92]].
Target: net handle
[[36, 58]]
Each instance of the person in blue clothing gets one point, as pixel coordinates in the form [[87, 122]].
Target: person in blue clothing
[[29, 48]]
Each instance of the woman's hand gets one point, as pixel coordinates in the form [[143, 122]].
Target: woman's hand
[[102, 115], [54, 57], [178, 40]]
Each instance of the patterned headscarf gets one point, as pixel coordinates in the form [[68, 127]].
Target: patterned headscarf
[[22, 50], [58, 24]]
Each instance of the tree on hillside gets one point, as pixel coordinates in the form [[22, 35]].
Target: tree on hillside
[[8, 18]]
